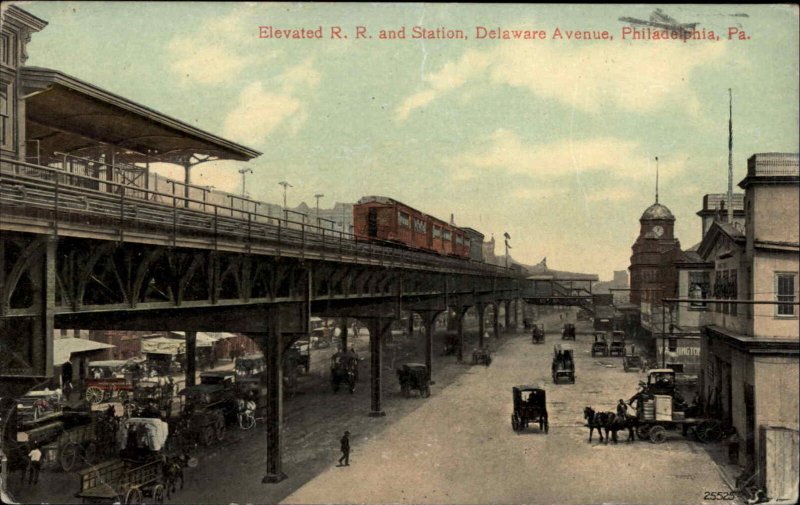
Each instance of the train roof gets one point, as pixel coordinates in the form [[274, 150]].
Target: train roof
[[385, 200]]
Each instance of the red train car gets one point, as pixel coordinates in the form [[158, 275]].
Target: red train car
[[386, 219]]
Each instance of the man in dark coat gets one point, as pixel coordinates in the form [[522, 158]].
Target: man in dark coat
[[345, 448]]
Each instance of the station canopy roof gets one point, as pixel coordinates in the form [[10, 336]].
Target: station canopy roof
[[71, 116], [64, 348]]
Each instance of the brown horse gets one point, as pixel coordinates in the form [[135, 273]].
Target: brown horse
[[611, 423]]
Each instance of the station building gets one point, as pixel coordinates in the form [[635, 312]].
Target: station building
[[750, 352]]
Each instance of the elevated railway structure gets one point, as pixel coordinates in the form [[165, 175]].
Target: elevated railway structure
[[91, 238]]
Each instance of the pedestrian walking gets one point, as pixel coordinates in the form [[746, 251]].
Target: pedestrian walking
[[34, 465], [345, 448]]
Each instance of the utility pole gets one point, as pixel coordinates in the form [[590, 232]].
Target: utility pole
[[318, 196], [508, 237], [285, 185], [244, 171]]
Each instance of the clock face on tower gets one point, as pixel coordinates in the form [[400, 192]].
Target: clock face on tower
[[658, 230]]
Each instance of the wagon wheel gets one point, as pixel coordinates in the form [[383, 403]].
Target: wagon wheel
[[133, 496], [406, 390], [68, 456], [488, 361], [643, 431], [658, 435], [709, 432], [219, 429], [514, 422], [546, 425], [90, 452], [426, 392], [207, 435], [94, 394], [122, 395], [158, 494]]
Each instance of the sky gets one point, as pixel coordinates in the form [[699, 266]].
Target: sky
[[552, 141]]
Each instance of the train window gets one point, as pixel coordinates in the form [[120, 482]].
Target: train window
[[419, 225], [404, 219], [466, 242], [446, 235], [437, 231], [459, 240]]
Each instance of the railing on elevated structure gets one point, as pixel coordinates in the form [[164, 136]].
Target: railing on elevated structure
[[61, 199]]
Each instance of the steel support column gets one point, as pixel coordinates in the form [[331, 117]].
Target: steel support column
[[191, 358], [378, 328], [429, 322], [460, 329], [481, 324], [507, 307], [343, 334], [497, 320], [274, 423], [410, 324]]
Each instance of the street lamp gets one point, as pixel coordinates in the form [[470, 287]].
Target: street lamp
[[285, 185], [244, 171], [508, 237], [318, 196]]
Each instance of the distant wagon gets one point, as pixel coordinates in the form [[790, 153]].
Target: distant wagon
[[600, 344], [563, 365], [568, 333], [537, 336], [414, 376]]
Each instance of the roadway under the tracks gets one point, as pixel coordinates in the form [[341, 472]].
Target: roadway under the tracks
[[455, 447]]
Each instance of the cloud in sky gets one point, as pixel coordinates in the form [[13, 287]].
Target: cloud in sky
[[641, 83], [505, 150], [211, 55], [262, 107]]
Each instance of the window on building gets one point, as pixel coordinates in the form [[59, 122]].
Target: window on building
[[437, 231], [446, 235], [785, 291], [6, 45], [459, 240], [733, 291], [404, 219], [699, 285], [672, 344], [6, 126]]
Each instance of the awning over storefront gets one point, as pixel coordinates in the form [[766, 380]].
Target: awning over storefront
[[64, 348]]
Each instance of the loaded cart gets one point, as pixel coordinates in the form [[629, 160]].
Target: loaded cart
[[660, 409], [138, 473]]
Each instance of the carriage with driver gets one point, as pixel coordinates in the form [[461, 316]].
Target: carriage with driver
[[530, 406], [563, 365], [568, 333], [537, 336], [414, 376], [600, 344], [344, 369]]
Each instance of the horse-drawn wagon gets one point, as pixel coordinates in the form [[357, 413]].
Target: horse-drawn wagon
[[153, 396], [617, 347], [568, 333], [414, 376], [482, 356], [451, 343], [530, 409], [110, 379], [68, 438], [660, 409], [537, 336], [600, 344], [344, 367], [138, 475], [632, 362], [208, 407], [563, 365]]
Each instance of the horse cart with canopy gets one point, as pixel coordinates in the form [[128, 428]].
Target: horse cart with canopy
[[563, 365], [208, 407], [632, 362], [537, 336], [414, 376], [568, 333], [530, 406], [138, 474], [600, 344]]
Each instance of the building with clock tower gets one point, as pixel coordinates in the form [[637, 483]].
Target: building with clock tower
[[653, 273]]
